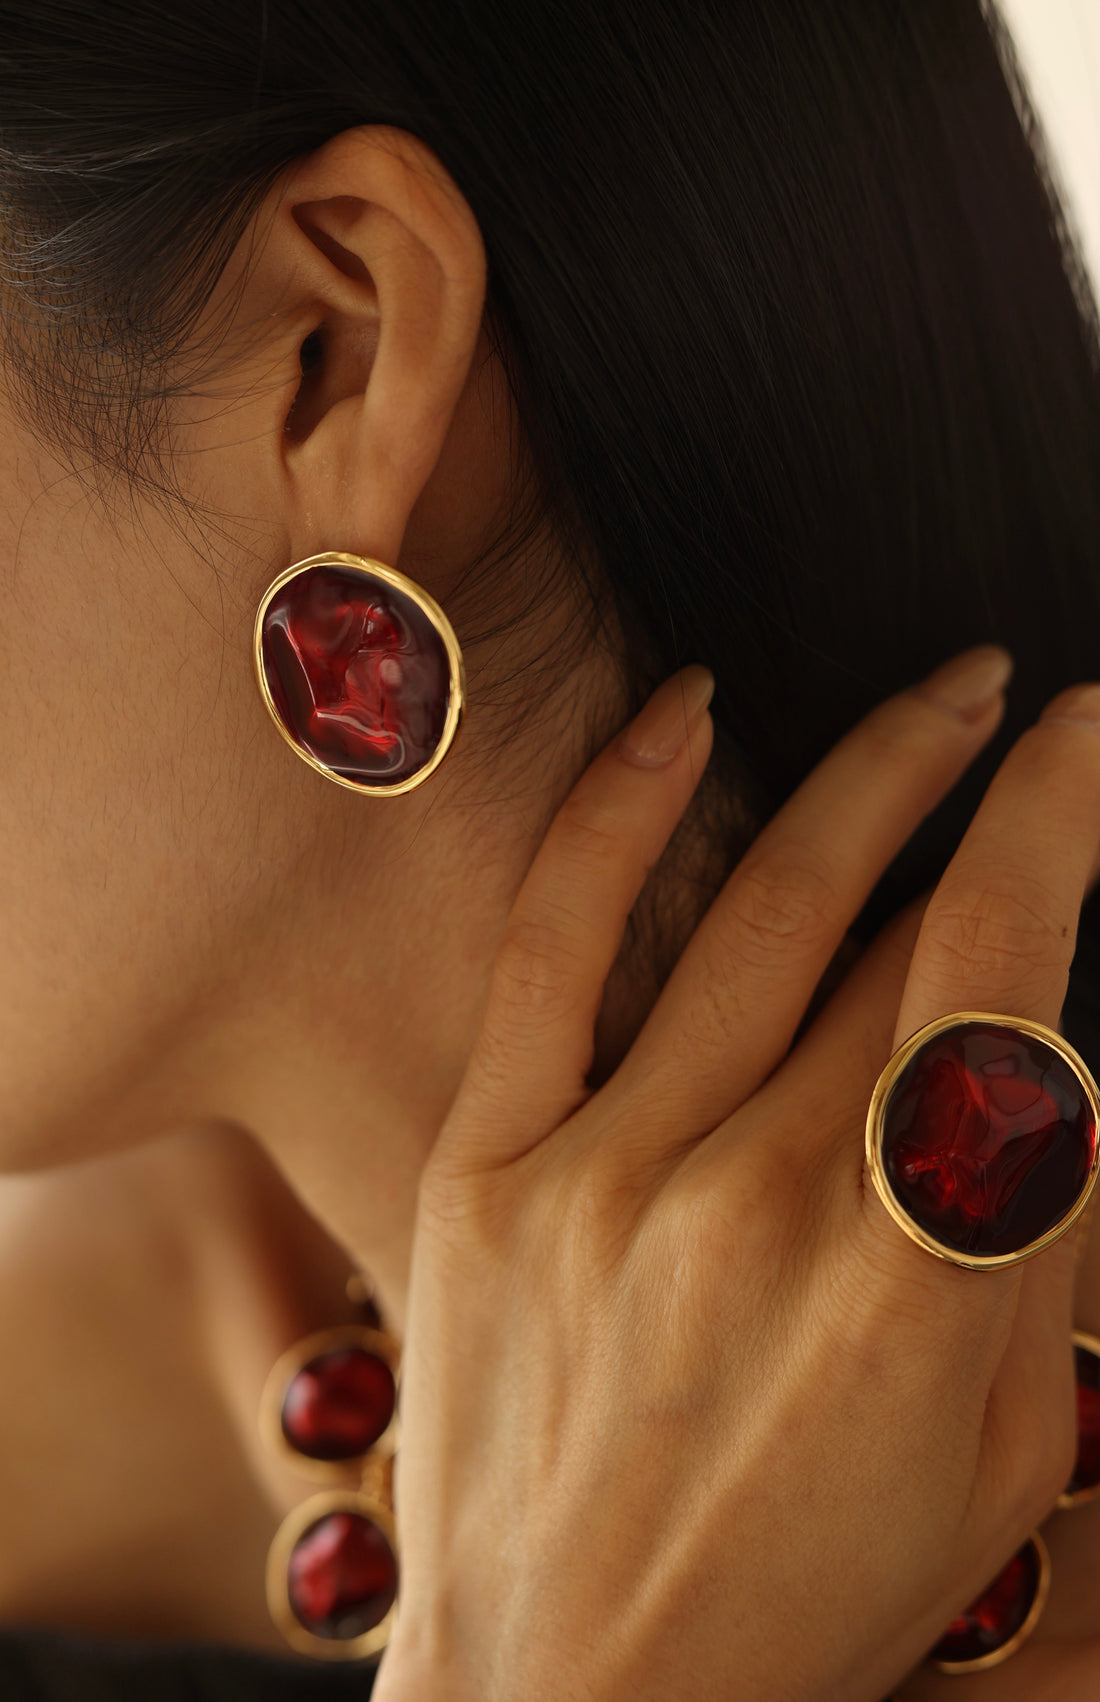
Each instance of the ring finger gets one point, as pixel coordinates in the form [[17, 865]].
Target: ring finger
[[991, 1167], [1000, 930]]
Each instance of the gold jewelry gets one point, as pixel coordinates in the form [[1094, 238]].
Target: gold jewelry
[[329, 1407], [361, 672], [995, 1625], [982, 1138], [1002, 1618], [1084, 1483]]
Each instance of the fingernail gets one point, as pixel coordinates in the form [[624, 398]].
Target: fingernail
[[668, 720], [969, 685], [1079, 703]]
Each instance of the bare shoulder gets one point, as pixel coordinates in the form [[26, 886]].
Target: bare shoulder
[[138, 1315]]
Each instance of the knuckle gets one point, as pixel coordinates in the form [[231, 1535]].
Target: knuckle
[[460, 1212], [587, 834], [996, 933], [444, 1199], [485, 1215], [745, 1214], [598, 1206], [573, 1220], [783, 905], [536, 967]]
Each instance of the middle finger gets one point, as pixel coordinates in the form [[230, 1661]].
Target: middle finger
[[742, 985]]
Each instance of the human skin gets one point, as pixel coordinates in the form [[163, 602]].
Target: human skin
[[263, 933], [144, 1298], [225, 941], [278, 953], [1061, 1660]]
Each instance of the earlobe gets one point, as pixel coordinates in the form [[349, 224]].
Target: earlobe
[[372, 230]]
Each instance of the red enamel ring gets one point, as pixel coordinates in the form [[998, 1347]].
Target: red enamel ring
[[982, 1138]]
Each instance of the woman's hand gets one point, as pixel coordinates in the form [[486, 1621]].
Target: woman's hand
[[685, 1414]]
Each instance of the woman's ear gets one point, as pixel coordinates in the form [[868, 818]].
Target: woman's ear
[[373, 256]]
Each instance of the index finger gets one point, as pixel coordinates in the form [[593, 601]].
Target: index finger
[[529, 1064]]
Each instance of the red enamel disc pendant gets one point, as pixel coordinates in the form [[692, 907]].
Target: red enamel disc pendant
[[361, 672], [339, 1404], [1084, 1483], [331, 1400], [994, 1626], [332, 1576], [982, 1138]]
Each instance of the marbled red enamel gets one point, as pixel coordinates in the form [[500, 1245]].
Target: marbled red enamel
[[358, 674], [988, 1139], [998, 1613], [1086, 1470], [342, 1576], [338, 1404]]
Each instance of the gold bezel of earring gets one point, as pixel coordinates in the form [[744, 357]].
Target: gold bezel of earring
[[361, 672]]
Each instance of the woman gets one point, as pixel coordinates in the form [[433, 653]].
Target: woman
[[634, 336]]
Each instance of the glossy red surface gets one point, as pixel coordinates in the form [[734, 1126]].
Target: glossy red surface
[[988, 1139], [998, 1613], [1086, 1471], [358, 673], [338, 1405], [342, 1576]]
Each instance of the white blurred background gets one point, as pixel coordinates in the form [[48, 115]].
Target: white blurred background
[[1059, 46]]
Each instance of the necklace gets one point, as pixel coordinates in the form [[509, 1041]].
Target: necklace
[[329, 1408]]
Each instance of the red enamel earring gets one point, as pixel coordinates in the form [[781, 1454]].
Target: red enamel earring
[[361, 672]]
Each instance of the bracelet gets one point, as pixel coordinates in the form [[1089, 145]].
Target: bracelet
[[1002, 1618]]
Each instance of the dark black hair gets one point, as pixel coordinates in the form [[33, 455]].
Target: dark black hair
[[799, 344]]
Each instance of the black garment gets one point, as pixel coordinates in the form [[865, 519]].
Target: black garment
[[40, 1666]]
